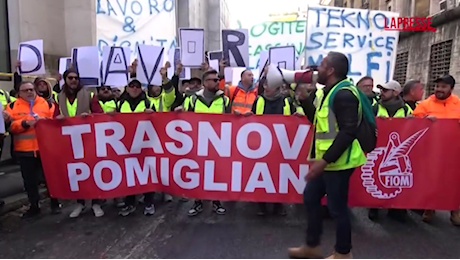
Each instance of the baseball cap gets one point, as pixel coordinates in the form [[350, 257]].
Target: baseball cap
[[448, 79], [391, 85], [195, 79], [135, 82]]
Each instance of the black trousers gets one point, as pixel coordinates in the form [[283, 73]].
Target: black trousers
[[32, 172], [335, 185], [148, 199]]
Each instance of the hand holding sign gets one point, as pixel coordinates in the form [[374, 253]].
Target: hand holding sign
[[222, 64], [163, 73], [132, 68], [179, 68], [204, 66]]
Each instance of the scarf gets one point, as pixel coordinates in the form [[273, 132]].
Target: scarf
[[83, 99], [393, 105]]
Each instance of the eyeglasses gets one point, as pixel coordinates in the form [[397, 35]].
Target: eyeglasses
[[215, 80], [27, 90], [72, 78]]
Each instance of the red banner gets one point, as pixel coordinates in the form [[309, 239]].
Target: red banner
[[228, 157]]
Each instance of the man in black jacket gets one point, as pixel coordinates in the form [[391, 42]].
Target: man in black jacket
[[320, 179]]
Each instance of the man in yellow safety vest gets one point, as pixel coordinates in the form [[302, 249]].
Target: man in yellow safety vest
[[337, 153], [209, 100], [391, 104]]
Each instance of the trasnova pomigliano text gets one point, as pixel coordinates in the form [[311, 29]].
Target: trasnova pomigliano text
[[157, 169]]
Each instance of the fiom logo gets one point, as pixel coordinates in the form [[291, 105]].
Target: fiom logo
[[393, 166]]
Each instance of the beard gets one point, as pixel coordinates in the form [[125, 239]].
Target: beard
[[322, 79]]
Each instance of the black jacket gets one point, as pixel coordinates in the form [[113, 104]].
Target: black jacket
[[345, 107], [274, 107]]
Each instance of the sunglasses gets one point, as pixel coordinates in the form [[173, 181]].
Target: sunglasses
[[135, 86], [72, 78], [27, 90]]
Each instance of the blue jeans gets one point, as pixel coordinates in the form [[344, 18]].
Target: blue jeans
[[335, 185]]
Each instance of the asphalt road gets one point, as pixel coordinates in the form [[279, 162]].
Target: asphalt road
[[239, 234]]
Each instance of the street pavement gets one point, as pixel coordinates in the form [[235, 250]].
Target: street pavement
[[170, 233]]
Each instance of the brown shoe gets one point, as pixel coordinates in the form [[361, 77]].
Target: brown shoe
[[305, 252], [427, 216], [336, 255], [455, 217]]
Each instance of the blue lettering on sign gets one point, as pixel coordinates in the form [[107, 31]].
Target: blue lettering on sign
[[133, 45], [129, 12], [133, 8], [341, 18], [371, 64], [344, 29]]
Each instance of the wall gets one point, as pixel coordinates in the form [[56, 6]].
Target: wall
[[61, 24], [419, 47]]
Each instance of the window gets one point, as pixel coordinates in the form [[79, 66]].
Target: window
[[443, 5], [422, 8], [439, 63], [5, 61], [402, 59]]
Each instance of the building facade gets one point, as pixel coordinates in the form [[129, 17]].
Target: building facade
[[65, 24], [212, 15], [422, 55]]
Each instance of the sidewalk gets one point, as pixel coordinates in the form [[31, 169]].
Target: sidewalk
[[11, 184], [10, 181]]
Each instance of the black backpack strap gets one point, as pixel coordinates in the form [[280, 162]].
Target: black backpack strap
[[192, 102], [12, 104], [406, 110], [148, 104], [292, 106], [375, 108]]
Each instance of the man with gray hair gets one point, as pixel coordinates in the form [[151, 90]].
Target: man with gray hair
[[412, 92]]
